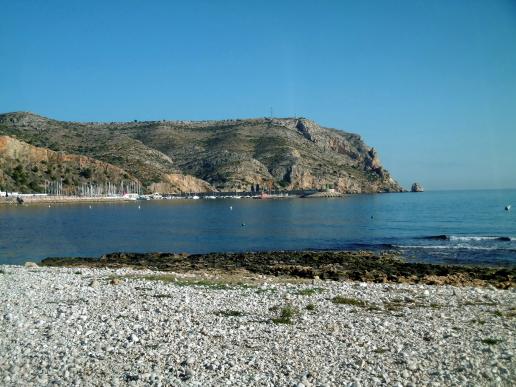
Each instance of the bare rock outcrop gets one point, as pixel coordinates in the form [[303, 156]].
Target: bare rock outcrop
[[178, 183], [416, 187]]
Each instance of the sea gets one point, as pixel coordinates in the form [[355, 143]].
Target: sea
[[446, 227]]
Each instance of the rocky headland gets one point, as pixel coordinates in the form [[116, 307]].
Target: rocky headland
[[190, 156]]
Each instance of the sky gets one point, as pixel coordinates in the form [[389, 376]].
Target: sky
[[430, 84]]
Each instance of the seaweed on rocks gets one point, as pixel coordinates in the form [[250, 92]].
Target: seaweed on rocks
[[327, 265]]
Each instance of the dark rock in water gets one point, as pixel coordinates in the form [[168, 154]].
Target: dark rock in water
[[504, 239], [438, 237], [416, 187], [19, 200]]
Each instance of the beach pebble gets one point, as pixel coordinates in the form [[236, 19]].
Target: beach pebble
[[94, 283], [56, 330], [412, 365]]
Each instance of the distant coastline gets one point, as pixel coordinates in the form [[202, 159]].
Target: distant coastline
[[27, 199], [42, 198]]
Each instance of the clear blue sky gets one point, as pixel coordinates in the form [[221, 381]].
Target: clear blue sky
[[430, 84]]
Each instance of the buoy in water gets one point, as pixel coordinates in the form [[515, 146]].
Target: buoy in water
[[231, 208], [243, 224], [508, 207], [90, 207], [139, 207]]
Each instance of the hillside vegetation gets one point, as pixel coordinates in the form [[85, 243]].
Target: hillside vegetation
[[26, 168], [229, 155]]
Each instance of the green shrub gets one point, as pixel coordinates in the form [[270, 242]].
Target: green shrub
[[287, 313], [348, 301]]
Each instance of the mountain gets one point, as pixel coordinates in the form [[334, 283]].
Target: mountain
[[228, 155]]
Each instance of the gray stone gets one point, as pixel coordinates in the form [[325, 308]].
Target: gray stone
[[94, 283]]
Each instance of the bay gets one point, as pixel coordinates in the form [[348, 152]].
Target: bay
[[456, 227]]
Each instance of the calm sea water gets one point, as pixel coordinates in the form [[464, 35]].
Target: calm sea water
[[443, 227]]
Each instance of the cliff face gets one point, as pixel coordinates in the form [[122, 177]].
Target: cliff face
[[179, 183], [231, 155]]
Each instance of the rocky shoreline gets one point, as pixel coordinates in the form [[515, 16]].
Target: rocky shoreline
[[382, 267], [92, 326]]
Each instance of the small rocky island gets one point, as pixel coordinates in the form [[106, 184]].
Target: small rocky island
[[416, 187]]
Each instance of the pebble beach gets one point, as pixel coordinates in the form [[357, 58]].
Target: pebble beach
[[94, 326]]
